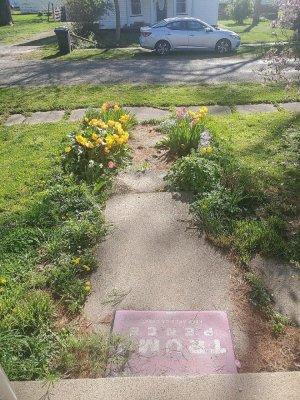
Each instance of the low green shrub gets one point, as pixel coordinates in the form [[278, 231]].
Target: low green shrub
[[265, 236], [216, 210], [194, 174]]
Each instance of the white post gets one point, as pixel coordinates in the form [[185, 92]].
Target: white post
[[6, 392]]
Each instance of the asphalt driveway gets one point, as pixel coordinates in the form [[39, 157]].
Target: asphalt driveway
[[164, 70]]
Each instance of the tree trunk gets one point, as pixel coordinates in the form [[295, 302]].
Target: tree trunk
[[256, 12], [5, 14], [118, 22]]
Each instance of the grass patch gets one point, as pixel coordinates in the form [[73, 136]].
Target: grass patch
[[50, 220], [24, 27], [260, 33], [22, 100], [50, 51], [256, 183]]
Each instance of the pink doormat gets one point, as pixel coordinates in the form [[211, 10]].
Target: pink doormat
[[176, 343]]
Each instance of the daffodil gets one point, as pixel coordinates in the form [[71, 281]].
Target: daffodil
[[124, 119], [76, 261], [2, 281], [116, 108], [86, 267], [111, 123], [203, 151], [68, 149], [94, 136], [209, 150]]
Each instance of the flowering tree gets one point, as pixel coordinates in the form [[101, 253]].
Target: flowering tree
[[281, 62], [290, 15]]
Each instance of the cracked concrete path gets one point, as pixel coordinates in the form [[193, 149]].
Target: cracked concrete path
[[153, 258]]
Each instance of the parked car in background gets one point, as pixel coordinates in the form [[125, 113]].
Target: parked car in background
[[187, 33]]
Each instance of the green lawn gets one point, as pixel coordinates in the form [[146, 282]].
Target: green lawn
[[14, 100], [26, 155], [50, 51], [25, 26], [260, 33]]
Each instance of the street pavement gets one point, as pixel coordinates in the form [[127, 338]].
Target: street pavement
[[160, 70]]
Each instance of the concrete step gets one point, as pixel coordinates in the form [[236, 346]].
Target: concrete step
[[263, 386]]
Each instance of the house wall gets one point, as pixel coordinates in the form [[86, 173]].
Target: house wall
[[35, 6], [207, 10]]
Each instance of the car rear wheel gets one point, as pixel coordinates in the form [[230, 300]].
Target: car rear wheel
[[162, 47], [223, 46]]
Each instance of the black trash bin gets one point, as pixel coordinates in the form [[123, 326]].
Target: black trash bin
[[63, 39]]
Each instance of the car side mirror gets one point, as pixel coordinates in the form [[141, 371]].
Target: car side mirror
[[207, 30]]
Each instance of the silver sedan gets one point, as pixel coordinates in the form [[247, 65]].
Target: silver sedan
[[187, 33]]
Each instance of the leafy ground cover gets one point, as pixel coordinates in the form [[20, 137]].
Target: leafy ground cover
[[25, 26], [51, 217], [245, 177], [23, 100]]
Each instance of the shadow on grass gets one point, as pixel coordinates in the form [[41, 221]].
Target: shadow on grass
[[40, 42]]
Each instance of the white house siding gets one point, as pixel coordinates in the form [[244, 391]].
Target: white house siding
[[207, 10], [35, 6]]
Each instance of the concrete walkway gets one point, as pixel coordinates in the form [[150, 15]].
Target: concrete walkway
[[263, 386], [147, 113]]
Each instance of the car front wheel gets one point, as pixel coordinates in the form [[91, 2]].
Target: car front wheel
[[162, 48], [223, 46]]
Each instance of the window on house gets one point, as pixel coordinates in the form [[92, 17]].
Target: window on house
[[136, 8], [181, 7]]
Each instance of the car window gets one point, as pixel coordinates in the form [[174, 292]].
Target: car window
[[195, 26], [159, 24], [176, 25]]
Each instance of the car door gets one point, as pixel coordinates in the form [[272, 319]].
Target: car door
[[198, 36], [177, 34]]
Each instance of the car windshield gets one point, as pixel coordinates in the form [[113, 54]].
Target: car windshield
[[159, 24]]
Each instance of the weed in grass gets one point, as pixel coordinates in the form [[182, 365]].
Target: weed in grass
[[89, 356], [261, 298]]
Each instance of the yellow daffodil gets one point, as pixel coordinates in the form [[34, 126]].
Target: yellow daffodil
[[124, 119], [99, 141], [106, 150], [203, 206], [2, 281], [116, 108], [203, 110], [86, 267], [95, 136], [89, 145], [209, 150], [203, 151], [68, 149], [101, 124], [86, 119], [111, 123], [76, 261]]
